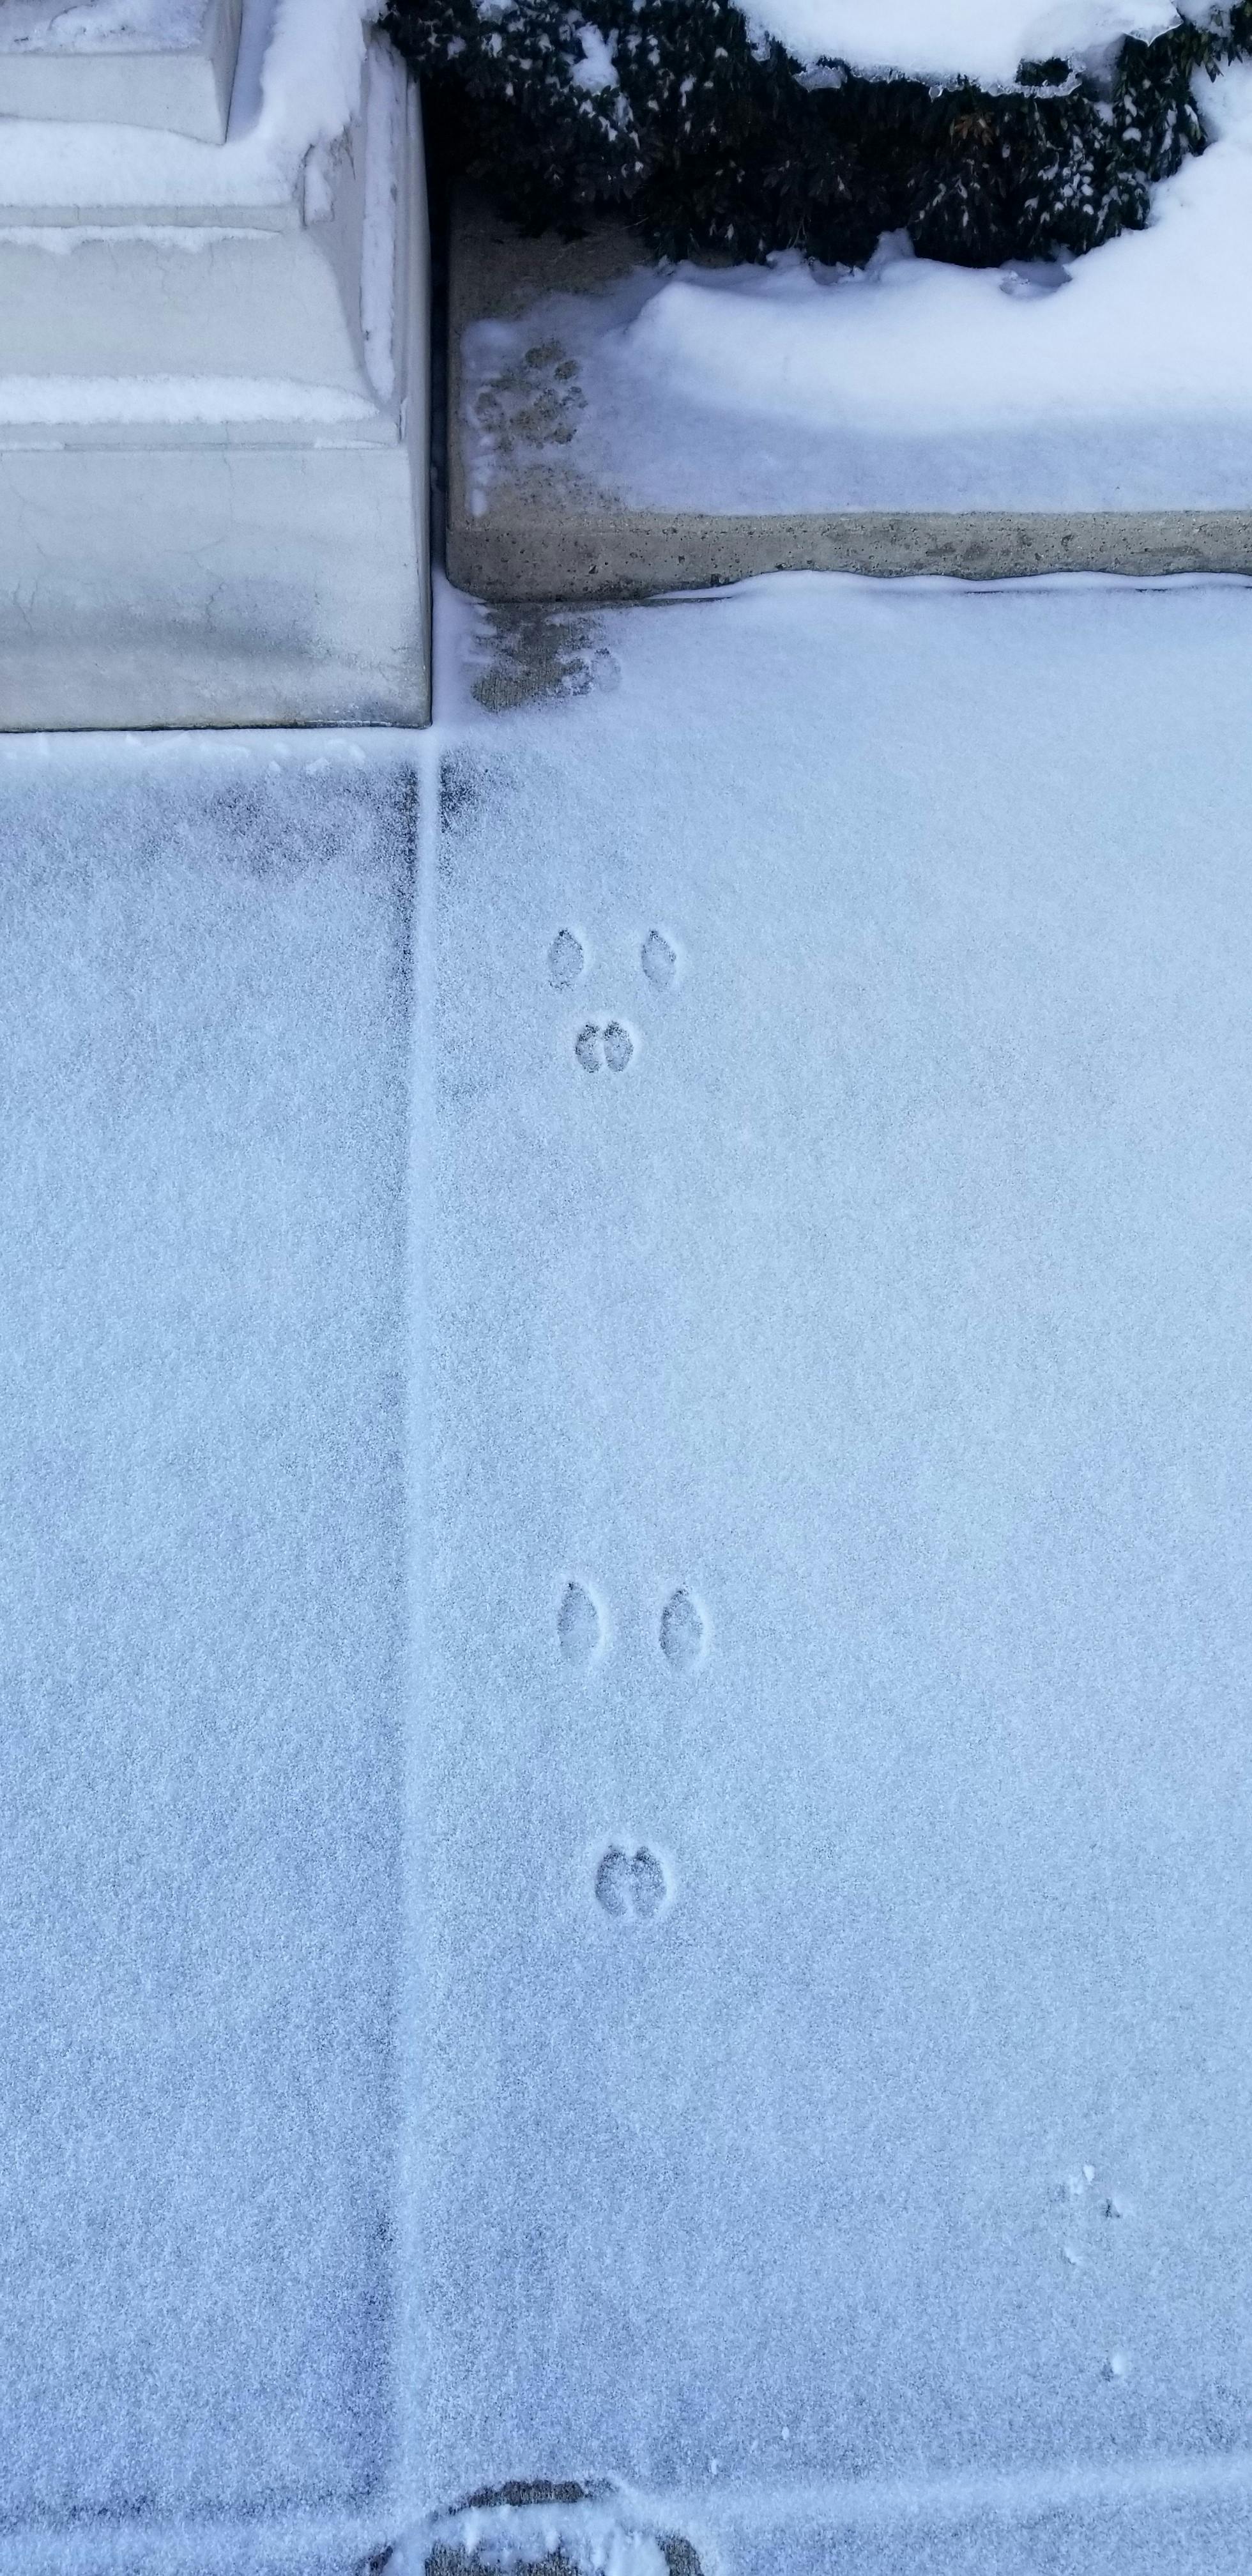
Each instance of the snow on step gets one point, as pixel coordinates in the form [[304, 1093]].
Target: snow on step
[[167, 63], [834, 1797], [203, 1053]]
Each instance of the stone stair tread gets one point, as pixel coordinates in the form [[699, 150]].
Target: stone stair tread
[[163, 63]]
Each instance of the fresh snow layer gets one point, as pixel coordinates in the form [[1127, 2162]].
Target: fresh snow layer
[[833, 1798], [203, 1055], [758, 2011], [984, 40], [299, 82], [1121, 381]]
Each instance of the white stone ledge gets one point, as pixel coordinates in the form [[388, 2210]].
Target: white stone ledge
[[378, 429], [19, 220], [212, 405]]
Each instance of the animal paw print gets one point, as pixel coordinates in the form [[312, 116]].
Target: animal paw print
[[659, 960], [579, 1625], [683, 1631], [535, 403], [1090, 2225], [631, 1887], [609, 1044], [1089, 2205], [566, 960]]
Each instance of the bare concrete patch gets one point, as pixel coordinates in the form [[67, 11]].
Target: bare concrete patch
[[528, 654]]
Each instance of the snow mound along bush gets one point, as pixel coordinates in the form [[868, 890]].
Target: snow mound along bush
[[987, 133], [981, 40]]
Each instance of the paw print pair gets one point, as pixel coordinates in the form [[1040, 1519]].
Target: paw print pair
[[608, 1045]]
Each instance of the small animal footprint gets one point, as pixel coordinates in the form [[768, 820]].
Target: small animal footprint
[[659, 960], [682, 1631], [631, 1886], [612, 1045], [579, 1626], [1083, 2240], [566, 960], [533, 404]]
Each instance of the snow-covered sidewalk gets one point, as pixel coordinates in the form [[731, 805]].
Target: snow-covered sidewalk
[[627, 1633], [836, 1794]]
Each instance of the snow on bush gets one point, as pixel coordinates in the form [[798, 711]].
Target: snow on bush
[[741, 134]]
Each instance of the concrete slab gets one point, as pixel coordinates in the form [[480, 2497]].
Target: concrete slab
[[204, 1050], [167, 63], [876, 2204], [545, 527]]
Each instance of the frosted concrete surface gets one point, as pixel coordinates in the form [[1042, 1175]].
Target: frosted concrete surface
[[625, 1801], [203, 1041], [835, 1795], [164, 63]]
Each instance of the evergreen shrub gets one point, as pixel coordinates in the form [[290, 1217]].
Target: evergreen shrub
[[715, 141]]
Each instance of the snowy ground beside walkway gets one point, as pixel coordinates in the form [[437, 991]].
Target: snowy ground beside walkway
[[786, 2046]]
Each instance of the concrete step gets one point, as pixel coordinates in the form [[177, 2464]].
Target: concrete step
[[166, 63], [214, 420]]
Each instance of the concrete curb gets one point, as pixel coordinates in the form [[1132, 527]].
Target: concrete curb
[[539, 540], [631, 553]]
